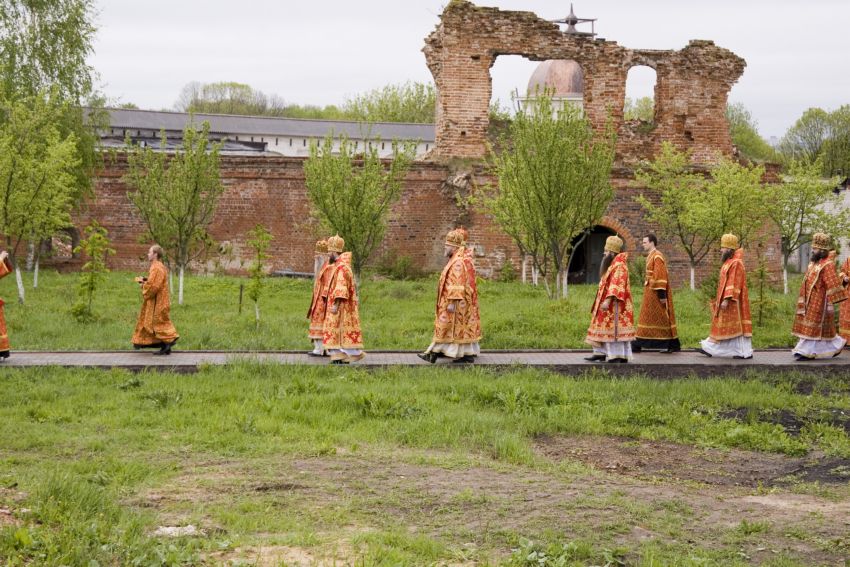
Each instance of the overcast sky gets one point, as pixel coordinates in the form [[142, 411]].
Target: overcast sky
[[318, 52]]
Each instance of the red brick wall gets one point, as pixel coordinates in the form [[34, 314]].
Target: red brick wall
[[271, 191]]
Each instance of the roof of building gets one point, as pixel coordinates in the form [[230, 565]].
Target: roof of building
[[563, 76], [267, 126]]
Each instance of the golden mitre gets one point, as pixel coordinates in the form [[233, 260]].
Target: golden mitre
[[729, 241], [821, 241], [336, 244], [613, 244], [457, 237]]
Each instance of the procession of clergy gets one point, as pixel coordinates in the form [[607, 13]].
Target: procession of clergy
[[335, 319]]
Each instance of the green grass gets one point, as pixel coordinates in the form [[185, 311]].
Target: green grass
[[395, 315], [86, 446]]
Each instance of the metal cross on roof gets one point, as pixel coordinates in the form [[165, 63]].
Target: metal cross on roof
[[571, 21]]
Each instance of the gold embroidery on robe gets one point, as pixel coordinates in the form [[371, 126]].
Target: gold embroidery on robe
[[617, 322], [821, 287], [655, 320], [342, 329], [154, 324], [734, 321], [457, 285], [5, 270], [319, 304]]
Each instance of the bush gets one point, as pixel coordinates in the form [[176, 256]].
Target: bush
[[507, 273], [637, 271], [398, 267]]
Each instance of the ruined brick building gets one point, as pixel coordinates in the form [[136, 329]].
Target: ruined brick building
[[691, 92]]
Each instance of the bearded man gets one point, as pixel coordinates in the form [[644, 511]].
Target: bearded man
[[612, 320], [457, 321], [731, 326], [341, 333], [814, 321]]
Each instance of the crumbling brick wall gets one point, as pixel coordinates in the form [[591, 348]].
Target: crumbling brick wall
[[691, 89]]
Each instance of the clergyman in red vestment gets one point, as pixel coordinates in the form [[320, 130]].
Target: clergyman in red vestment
[[731, 326], [612, 320], [814, 320]]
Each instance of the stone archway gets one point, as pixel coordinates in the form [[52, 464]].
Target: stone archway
[[587, 256]]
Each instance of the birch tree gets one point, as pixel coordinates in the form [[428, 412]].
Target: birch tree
[[259, 244], [176, 195], [37, 183], [554, 174]]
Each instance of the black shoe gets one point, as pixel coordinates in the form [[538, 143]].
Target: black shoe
[[4, 354], [801, 358], [742, 357], [636, 348], [429, 357], [165, 349], [699, 350], [595, 358], [617, 361], [339, 361], [464, 360]]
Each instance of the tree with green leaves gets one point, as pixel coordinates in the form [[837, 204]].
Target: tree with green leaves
[[735, 201], [97, 248], [553, 174], [743, 129], [228, 97], [405, 102], [37, 164], [675, 188], [352, 190], [259, 241], [803, 204], [176, 195], [642, 108], [804, 140], [44, 47]]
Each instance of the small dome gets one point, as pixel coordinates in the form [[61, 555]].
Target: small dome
[[563, 76]]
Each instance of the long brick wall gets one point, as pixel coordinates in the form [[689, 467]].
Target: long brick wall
[[271, 191]]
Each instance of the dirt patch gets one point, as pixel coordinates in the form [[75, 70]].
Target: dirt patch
[[7, 518], [489, 504], [789, 421], [654, 459], [270, 556]]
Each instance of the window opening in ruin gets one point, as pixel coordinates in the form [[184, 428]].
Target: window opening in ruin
[[639, 103], [587, 256]]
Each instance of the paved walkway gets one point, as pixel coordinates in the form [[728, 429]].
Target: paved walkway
[[655, 364]]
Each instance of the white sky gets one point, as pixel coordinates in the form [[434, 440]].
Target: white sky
[[320, 51]]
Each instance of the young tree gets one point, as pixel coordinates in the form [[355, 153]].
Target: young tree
[[97, 247], [259, 243], [352, 190], [677, 188], [554, 183], [176, 195], [37, 166], [735, 201], [802, 205]]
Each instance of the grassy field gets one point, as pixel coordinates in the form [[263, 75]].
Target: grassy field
[[395, 315], [282, 465]]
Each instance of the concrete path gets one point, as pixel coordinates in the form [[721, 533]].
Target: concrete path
[[654, 364]]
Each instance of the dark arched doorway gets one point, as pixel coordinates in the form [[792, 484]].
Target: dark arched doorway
[[587, 256]]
